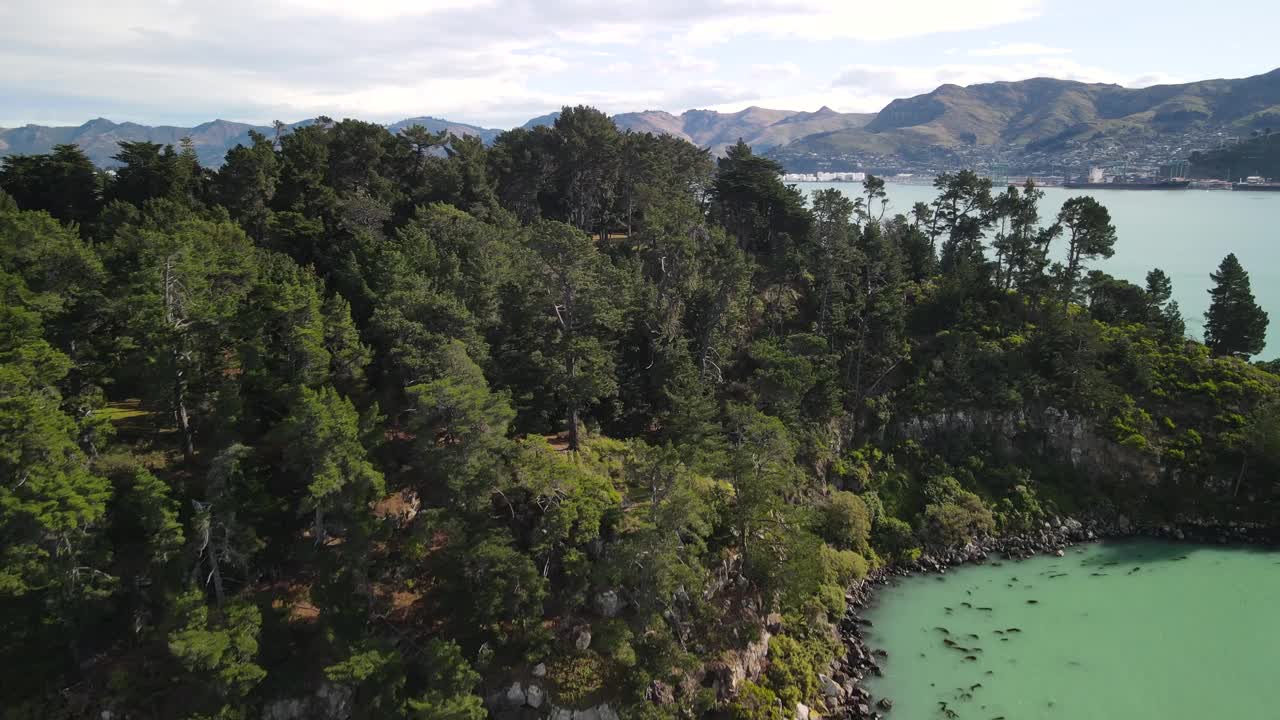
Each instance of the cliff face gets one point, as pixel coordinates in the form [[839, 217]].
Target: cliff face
[[1046, 433]]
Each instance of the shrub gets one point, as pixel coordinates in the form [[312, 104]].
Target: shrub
[[793, 670], [577, 677], [895, 540], [756, 703], [955, 523], [845, 522]]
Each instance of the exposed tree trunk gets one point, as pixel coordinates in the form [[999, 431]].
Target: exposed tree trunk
[[317, 526], [180, 410]]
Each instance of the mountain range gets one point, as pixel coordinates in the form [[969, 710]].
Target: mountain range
[[1001, 120], [1042, 113]]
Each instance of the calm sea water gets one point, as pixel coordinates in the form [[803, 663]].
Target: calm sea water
[[1186, 233], [1135, 630]]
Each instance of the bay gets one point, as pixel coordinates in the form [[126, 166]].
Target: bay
[[1141, 630], [1186, 233]]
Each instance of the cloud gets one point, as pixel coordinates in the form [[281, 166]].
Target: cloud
[[820, 20], [478, 60], [1018, 50]]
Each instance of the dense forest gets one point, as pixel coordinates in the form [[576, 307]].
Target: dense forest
[[1259, 155], [375, 425]]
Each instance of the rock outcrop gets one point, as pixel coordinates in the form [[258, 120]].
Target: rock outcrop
[[1046, 432]]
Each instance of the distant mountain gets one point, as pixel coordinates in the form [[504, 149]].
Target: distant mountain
[[1040, 123], [761, 128], [1044, 114], [548, 119], [436, 125], [100, 138]]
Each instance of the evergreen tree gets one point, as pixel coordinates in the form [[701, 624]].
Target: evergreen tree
[[1235, 324], [246, 184], [1090, 235], [323, 449], [461, 430], [63, 183], [1163, 311], [581, 298]]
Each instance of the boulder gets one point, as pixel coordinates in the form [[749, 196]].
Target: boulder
[[829, 687], [539, 670], [515, 696], [802, 711], [582, 640], [660, 693], [331, 701], [560, 714], [534, 696], [609, 603], [605, 712]]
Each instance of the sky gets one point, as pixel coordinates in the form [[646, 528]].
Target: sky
[[497, 63]]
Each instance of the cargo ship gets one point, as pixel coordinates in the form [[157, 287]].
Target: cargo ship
[[1097, 181], [1143, 185], [1255, 183]]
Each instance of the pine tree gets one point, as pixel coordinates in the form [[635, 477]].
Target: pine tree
[[1163, 311], [1234, 324], [324, 449], [581, 294], [1090, 235]]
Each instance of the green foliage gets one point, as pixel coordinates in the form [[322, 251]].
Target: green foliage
[[894, 539], [461, 427], [793, 670], [323, 446], [577, 677], [218, 649], [846, 522], [403, 406], [1234, 324], [450, 683], [756, 703]]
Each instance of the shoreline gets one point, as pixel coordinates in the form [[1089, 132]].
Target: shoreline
[[844, 690]]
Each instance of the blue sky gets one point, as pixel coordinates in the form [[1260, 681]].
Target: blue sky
[[500, 62]]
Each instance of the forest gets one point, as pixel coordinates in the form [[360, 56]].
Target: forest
[[373, 425]]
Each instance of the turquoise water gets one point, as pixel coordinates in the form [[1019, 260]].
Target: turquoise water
[[1185, 233], [1136, 630]]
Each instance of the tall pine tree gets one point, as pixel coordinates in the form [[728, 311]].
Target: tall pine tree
[[1234, 325]]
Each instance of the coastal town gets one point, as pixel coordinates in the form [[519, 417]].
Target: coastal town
[[1155, 162]]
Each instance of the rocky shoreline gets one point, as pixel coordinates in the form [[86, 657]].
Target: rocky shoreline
[[843, 690]]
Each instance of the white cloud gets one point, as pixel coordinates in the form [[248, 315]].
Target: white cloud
[[823, 20], [1018, 50], [485, 61]]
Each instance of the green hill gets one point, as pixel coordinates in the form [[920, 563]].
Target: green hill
[[1044, 112], [1257, 156]]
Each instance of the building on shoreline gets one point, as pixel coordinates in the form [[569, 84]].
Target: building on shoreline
[[825, 177]]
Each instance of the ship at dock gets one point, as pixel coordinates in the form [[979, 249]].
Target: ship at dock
[[1098, 181], [1255, 183]]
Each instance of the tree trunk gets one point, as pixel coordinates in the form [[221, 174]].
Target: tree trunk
[[571, 370], [180, 411], [317, 525], [215, 574]]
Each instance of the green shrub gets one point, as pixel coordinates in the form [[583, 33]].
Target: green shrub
[[793, 670], [756, 703], [894, 539], [577, 677], [845, 522]]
